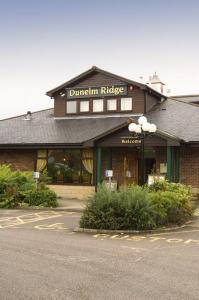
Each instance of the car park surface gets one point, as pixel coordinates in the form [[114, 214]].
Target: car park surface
[[42, 258]]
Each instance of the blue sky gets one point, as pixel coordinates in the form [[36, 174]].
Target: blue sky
[[44, 43]]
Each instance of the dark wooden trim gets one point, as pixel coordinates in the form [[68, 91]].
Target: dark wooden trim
[[41, 146], [89, 72], [145, 100], [105, 111]]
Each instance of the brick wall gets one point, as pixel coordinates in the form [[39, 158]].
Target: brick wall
[[73, 191], [23, 160], [189, 166]]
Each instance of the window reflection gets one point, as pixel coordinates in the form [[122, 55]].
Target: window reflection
[[72, 166]]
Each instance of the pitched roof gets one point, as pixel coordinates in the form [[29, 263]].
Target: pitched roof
[[173, 118], [43, 128], [96, 69], [177, 119], [187, 98]]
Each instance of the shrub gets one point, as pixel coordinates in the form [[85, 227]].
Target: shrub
[[127, 209], [138, 208], [173, 202], [18, 187], [41, 197]]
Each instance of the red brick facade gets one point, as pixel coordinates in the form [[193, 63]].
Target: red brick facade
[[189, 166], [123, 159], [23, 160]]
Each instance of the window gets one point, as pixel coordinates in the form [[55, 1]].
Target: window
[[126, 104], [111, 104], [98, 105], [84, 106], [71, 166], [71, 107]]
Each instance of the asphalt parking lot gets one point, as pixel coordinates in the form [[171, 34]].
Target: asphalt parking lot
[[42, 258]]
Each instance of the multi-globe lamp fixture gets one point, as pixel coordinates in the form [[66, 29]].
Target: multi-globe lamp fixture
[[140, 130], [142, 126]]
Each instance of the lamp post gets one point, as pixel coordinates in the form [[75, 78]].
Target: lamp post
[[140, 131]]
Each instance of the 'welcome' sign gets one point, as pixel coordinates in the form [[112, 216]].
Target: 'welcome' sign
[[102, 91]]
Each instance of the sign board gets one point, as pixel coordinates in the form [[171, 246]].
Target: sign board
[[35, 175], [163, 168], [153, 178], [130, 141], [102, 91], [109, 173]]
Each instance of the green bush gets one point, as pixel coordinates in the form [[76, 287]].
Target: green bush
[[18, 187], [138, 208], [127, 209], [41, 197]]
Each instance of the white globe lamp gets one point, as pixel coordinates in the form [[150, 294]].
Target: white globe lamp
[[153, 128], [132, 127], [138, 129], [142, 120], [146, 126]]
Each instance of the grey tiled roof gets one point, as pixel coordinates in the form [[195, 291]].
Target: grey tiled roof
[[187, 98], [181, 120], [178, 119], [44, 129]]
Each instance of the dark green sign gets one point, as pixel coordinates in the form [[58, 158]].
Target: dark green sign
[[102, 91]]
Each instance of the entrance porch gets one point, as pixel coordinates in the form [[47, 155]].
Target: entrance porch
[[126, 166]]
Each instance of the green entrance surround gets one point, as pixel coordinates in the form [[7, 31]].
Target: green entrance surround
[[173, 164], [177, 164], [98, 165], [169, 163]]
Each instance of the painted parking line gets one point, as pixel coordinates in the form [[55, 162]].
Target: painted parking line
[[51, 227], [151, 239], [29, 218]]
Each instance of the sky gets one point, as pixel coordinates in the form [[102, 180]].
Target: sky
[[44, 43]]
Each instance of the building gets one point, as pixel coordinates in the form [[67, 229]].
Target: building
[[87, 133]]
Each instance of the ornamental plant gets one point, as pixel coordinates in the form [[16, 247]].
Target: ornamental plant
[[138, 208], [17, 188]]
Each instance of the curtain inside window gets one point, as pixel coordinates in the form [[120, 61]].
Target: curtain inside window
[[41, 164], [87, 161]]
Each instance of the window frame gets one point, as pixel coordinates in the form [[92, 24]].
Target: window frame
[[81, 167], [103, 109], [124, 110], [111, 110], [72, 113], [84, 100]]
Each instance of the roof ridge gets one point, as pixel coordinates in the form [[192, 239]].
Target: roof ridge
[[188, 103], [34, 112], [94, 68], [182, 96]]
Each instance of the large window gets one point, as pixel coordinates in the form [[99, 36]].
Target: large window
[[98, 105], [72, 166], [71, 107], [84, 106], [126, 104], [111, 104]]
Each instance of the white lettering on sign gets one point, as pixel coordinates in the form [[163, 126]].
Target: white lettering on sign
[[113, 90], [130, 141]]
